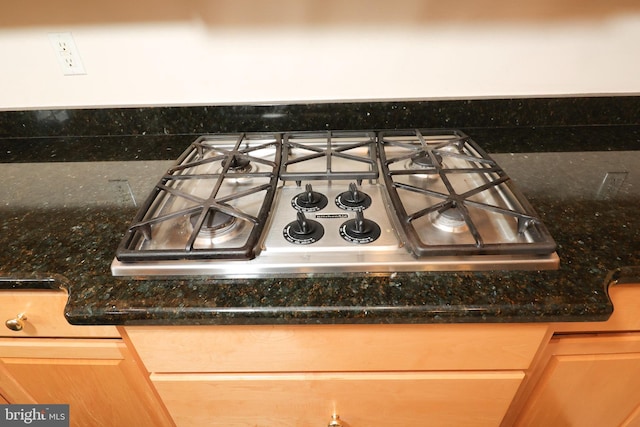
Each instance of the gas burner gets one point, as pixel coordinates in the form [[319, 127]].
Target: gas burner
[[353, 199], [424, 161], [217, 227], [238, 164], [423, 166], [309, 201], [450, 219]]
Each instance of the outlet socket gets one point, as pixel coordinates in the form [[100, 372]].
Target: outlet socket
[[67, 54]]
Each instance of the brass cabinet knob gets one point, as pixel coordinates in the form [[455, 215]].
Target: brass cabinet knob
[[16, 324], [335, 421]]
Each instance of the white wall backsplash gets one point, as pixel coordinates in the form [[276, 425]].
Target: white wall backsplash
[[188, 62]]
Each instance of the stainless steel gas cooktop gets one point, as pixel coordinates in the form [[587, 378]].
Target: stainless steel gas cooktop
[[294, 204]]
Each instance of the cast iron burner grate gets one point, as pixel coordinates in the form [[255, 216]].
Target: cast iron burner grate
[[331, 155], [445, 189], [230, 176]]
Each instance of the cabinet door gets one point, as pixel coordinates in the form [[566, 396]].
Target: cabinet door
[[97, 378], [402, 399], [589, 381]]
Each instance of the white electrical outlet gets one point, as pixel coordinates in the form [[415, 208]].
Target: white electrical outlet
[[67, 53]]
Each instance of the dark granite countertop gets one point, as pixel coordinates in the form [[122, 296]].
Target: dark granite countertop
[[71, 178]]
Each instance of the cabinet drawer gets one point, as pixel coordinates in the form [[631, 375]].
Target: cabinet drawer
[[43, 311], [341, 348], [403, 399], [56, 348]]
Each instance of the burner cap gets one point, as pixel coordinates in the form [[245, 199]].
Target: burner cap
[[239, 171], [238, 164], [217, 226], [450, 220], [424, 161]]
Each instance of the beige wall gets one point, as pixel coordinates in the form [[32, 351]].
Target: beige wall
[[246, 51]]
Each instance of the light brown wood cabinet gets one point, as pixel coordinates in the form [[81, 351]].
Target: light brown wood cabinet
[[559, 374], [367, 375], [48, 361], [587, 374], [588, 380]]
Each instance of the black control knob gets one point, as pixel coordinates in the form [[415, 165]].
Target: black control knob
[[303, 231], [353, 199], [360, 229], [354, 195], [309, 201]]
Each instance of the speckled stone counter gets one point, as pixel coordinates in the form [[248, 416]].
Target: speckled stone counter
[[71, 178]]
